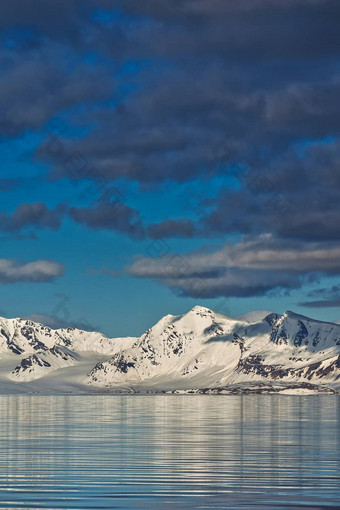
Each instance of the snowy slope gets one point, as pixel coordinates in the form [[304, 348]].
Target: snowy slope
[[204, 349], [36, 366], [30, 351], [198, 351]]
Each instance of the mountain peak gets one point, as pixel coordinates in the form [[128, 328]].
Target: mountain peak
[[297, 316], [183, 351], [199, 310]]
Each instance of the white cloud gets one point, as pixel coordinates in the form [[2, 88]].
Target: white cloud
[[37, 271]]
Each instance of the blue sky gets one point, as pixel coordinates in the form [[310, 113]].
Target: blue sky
[[155, 157]]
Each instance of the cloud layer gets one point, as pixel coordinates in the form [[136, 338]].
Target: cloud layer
[[37, 271], [156, 94], [246, 269]]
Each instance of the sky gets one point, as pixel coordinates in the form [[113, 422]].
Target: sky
[[156, 155]]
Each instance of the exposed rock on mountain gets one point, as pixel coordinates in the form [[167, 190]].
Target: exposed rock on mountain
[[195, 352]]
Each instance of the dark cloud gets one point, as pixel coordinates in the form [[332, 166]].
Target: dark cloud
[[63, 21], [111, 216], [326, 298], [32, 215], [163, 91], [261, 74], [251, 24], [327, 303], [39, 83], [172, 228], [298, 197], [102, 214], [249, 268], [324, 293], [308, 109], [38, 271]]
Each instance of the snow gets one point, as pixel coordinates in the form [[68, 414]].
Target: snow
[[197, 350], [254, 316]]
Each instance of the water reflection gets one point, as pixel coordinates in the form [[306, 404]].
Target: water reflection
[[250, 451]]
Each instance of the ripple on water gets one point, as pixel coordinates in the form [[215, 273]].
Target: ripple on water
[[97, 452]]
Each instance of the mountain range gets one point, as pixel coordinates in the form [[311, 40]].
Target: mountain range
[[198, 352]]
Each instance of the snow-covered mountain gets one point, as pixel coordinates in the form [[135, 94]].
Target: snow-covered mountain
[[36, 350], [200, 351]]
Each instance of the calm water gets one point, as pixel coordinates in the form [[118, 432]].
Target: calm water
[[159, 452]]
